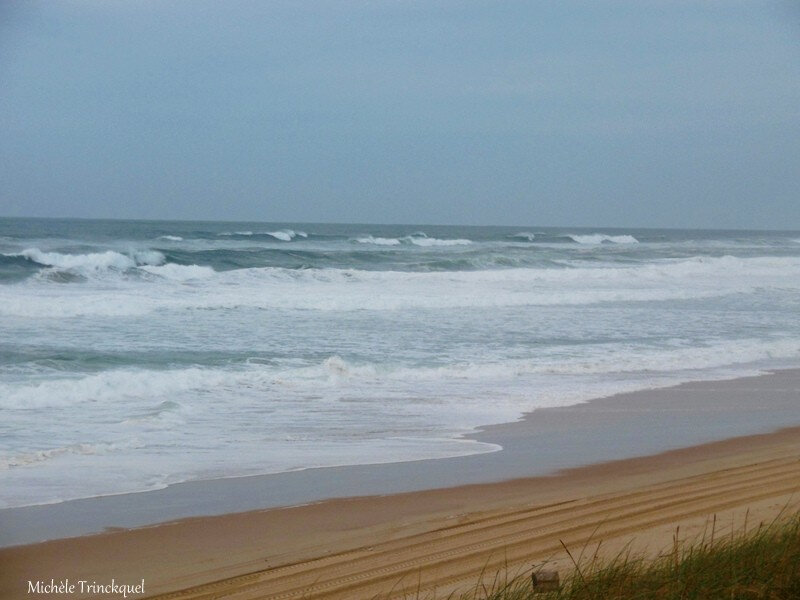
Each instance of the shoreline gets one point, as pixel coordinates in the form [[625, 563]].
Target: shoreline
[[543, 442], [315, 549], [175, 554]]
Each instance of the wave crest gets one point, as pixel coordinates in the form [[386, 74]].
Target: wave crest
[[287, 235], [378, 241], [69, 268], [417, 239], [94, 261], [600, 238], [284, 235]]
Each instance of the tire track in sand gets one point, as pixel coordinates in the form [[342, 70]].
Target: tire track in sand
[[448, 556]]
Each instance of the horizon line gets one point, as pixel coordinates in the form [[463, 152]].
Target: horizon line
[[615, 227]]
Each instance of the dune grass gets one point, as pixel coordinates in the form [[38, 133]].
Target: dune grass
[[758, 564]]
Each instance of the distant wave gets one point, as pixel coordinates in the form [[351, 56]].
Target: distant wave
[[417, 239], [171, 238], [599, 238], [378, 241], [284, 235], [426, 241], [561, 238]]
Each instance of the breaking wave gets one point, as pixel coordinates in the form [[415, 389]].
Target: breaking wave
[[66, 268], [601, 238], [417, 239], [426, 241], [351, 289], [95, 261], [284, 235], [378, 241]]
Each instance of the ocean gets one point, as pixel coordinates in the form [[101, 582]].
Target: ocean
[[137, 354]]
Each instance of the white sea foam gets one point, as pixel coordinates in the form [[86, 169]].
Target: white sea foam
[[34, 457], [348, 289], [378, 241], [169, 372], [108, 387], [599, 238], [277, 418], [426, 241], [524, 235], [335, 380], [598, 360], [179, 272], [171, 238]]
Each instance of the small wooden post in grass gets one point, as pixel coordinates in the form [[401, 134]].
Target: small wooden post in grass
[[544, 581]]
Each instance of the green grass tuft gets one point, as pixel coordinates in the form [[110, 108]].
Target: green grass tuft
[[764, 564]]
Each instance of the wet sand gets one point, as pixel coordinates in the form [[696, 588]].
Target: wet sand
[[488, 509]]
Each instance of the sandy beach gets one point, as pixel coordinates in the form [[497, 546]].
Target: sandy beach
[[438, 540]]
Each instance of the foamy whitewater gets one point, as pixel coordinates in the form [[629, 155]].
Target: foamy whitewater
[[134, 355]]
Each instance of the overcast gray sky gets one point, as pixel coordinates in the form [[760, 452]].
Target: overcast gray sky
[[640, 113]]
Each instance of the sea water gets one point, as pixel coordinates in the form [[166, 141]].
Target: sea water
[[138, 354]]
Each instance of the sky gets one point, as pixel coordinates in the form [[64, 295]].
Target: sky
[[643, 113]]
